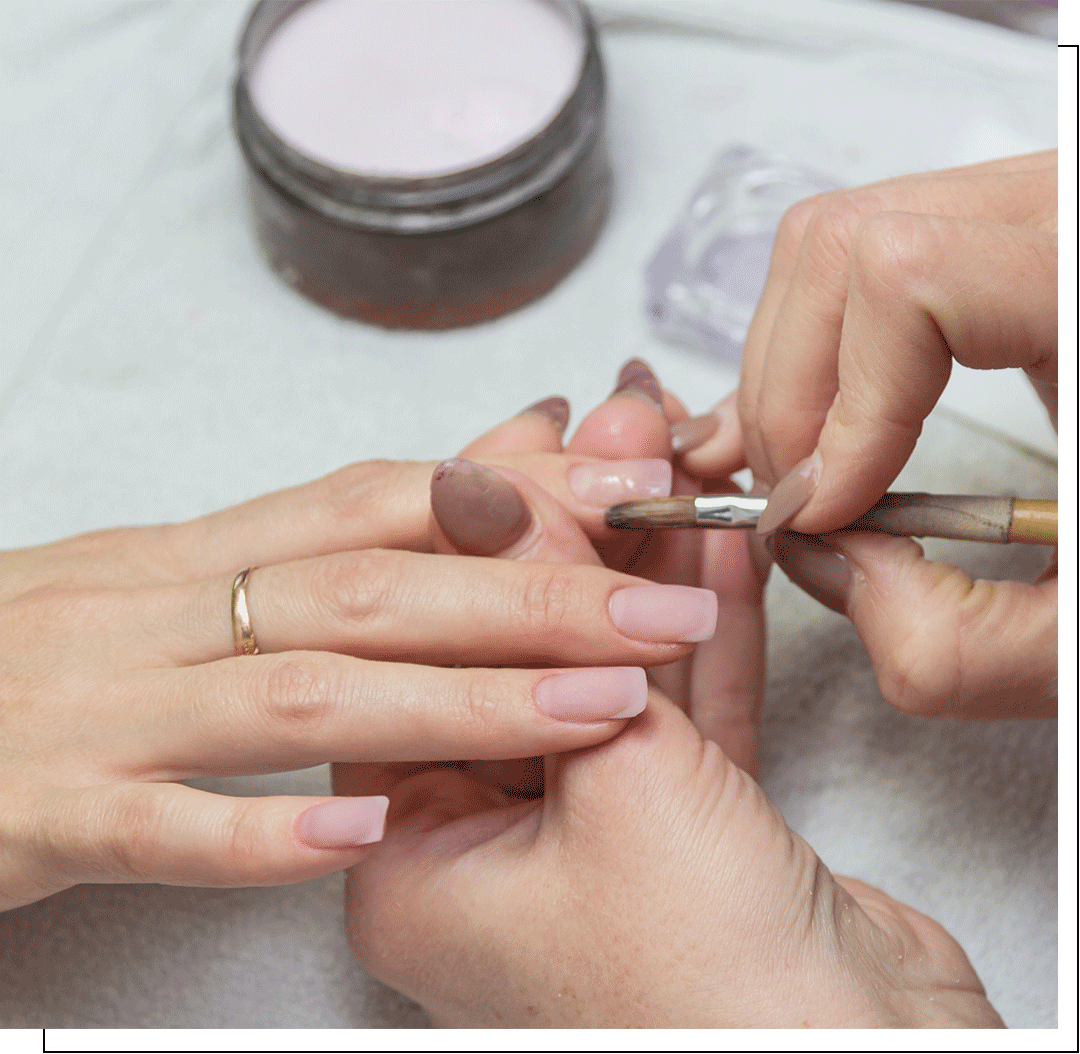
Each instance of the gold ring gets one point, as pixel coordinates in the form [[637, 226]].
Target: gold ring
[[242, 634]]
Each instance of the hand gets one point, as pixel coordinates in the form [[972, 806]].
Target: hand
[[653, 886], [119, 680], [719, 682], [871, 295]]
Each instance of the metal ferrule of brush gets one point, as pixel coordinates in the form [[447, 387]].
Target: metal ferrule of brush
[[729, 510]]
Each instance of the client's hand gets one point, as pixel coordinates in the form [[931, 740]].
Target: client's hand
[[119, 677], [653, 886]]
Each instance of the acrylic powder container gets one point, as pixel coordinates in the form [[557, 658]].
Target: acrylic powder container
[[419, 163]]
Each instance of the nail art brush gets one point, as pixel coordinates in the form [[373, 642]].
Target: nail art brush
[[960, 516]]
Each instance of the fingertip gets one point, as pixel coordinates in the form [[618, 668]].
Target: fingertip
[[631, 422], [712, 443], [555, 409], [538, 428]]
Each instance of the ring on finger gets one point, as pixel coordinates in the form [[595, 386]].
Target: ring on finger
[[243, 634]]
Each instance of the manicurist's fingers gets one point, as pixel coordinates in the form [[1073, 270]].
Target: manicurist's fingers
[[267, 713], [711, 444], [923, 290], [789, 369], [942, 644]]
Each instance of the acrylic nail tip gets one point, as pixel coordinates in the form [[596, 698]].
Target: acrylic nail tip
[[690, 433], [592, 695], [635, 378], [556, 409], [479, 511], [789, 496]]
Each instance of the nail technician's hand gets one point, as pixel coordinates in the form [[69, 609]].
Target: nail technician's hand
[[119, 678], [653, 886], [872, 293]]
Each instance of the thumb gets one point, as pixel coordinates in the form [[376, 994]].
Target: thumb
[[699, 855], [659, 780], [942, 644]]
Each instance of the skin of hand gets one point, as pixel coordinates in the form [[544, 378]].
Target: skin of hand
[[872, 294], [653, 886], [719, 682], [584, 908], [118, 676]]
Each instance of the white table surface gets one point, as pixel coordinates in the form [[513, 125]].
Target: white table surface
[[136, 314]]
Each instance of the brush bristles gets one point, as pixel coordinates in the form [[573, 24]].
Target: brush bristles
[[652, 512]]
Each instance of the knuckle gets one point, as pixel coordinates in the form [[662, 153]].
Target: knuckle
[[352, 492], [794, 223], [359, 587], [923, 675], [832, 225], [130, 839], [296, 692], [917, 685], [484, 699], [246, 849], [545, 602], [895, 249], [917, 676]]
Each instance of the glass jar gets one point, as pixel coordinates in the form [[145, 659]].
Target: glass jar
[[429, 252]]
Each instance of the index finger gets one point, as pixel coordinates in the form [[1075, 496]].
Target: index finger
[[789, 373]]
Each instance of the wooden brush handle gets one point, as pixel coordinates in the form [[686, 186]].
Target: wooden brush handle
[[1034, 521], [964, 517]]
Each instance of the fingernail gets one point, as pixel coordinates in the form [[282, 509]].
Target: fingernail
[[813, 566], [343, 823], [635, 378], [666, 614], [556, 410], [479, 511], [760, 557], [790, 494], [593, 695], [691, 433], [607, 482]]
